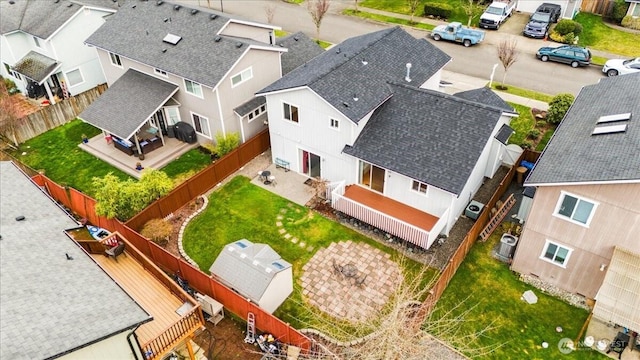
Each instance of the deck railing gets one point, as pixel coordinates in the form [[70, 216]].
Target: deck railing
[[174, 334], [397, 227]]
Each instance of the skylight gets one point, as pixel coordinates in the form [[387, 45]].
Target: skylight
[[612, 118], [609, 129], [277, 265], [172, 39], [241, 245]]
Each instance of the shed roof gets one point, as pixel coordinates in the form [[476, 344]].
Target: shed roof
[[51, 305], [248, 268]]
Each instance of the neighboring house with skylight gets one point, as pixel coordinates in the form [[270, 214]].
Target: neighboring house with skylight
[[256, 272], [400, 156], [167, 64], [586, 206], [42, 45]]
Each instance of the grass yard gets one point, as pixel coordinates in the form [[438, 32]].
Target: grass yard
[[599, 36], [530, 94], [517, 328], [387, 19], [401, 7], [241, 210], [57, 153], [522, 124]]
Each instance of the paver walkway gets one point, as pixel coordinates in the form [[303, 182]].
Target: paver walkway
[[339, 296]]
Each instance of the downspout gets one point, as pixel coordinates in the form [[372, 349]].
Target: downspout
[[131, 346], [224, 132]]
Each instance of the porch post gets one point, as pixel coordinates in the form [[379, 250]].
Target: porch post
[[51, 99], [135, 137]]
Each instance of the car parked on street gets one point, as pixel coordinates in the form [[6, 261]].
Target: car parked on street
[[616, 67], [456, 32], [538, 25], [567, 54]]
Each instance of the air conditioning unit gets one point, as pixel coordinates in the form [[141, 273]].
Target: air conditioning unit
[[507, 246], [473, 210], [214, 309]]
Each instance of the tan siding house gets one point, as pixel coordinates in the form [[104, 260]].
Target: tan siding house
[[586, 207]]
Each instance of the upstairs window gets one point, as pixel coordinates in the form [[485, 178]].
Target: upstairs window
[[115, 59], [193, 88], [241, 77], [160, 72], [291, 113], [575, 208], [334, 124]]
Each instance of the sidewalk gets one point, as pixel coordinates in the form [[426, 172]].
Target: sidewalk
[[461, 82]]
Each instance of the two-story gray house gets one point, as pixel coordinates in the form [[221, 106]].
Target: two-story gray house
[[168, 64]]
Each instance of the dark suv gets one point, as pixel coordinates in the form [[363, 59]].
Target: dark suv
[[553, 9], [573, 55], [538, 25]]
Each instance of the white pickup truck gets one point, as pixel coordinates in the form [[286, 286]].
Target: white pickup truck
[[497, 13]]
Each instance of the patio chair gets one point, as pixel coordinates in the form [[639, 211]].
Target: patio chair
[[272, 180], [115, 251], [337, 269], [360, 281]]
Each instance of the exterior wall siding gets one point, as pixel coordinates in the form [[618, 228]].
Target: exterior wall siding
[[616, 222], [278, 290], [114, 347]]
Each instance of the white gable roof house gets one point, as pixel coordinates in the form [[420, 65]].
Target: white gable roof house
[[42, 45], [400, 155], [256, 272]]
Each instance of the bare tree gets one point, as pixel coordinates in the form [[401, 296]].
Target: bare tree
[[355, 4], [508, 55], [318, 9], [471, 9], [270, 11], [413, 6], [9, 114], [400, 330]]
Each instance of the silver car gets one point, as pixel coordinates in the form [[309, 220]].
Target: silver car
[[615, 67]]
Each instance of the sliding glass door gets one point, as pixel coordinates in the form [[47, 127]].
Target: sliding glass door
[[372, 176]]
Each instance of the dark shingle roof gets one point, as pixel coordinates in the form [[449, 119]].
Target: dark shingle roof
[[428, 136], [486, 96], [250, 105], [359, 67], [51, 305], [36, 66], [138, 33], [573, 155], [301, 49], [43, 17], [504, 133], [128, 103]]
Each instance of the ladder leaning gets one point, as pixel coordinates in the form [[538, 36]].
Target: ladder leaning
[[497, 218]]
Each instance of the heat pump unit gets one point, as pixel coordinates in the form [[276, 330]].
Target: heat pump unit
[[473, 210], [507, 246], [214, 309]]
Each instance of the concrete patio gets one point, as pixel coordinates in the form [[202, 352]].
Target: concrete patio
[[607, 332], [288, 184]]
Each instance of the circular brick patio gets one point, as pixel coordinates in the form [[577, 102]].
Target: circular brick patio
[[341, 296]]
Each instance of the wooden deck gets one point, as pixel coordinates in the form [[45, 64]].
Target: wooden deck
[[393, 208], [146, 290]]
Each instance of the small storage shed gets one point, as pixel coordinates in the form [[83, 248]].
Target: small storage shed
[[256, 272]]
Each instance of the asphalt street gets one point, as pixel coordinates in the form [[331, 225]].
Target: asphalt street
[[477, 61]]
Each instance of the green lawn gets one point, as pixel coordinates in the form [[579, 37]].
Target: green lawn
[[522, 124], [387, 19], [491, 294], [530, 94], [57, 153], [599, 36], [401, 7], [241, 210]]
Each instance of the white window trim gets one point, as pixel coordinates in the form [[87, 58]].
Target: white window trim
[[67, 78], [115, 63], [253, 113], [425, 193], [544, 251], [243, 77], [160, 72], [201, 96], [194, 125], [559, 204], [287, 120], [335, 128], [166, 113], [37, 42]]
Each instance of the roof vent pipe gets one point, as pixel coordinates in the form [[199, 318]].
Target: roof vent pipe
[[364, 62], [408, 78]]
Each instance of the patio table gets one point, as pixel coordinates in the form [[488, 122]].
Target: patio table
[[265, 176], [349, 270]]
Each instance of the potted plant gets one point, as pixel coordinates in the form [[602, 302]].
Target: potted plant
[[85, 139]]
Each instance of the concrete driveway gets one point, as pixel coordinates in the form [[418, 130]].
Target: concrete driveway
[[515, 24]]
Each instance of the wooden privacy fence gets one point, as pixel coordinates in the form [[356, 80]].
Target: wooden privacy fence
[[51, 116], [470, 239], [601, 7], [82, 205], [203, 181]]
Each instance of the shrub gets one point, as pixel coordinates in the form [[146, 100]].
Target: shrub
[[566, 26], [10, 86], [619, 11], [631, 22], [558, 107], [158, 230], [541, 123], [438, 10], [533, 134], [526, 145]]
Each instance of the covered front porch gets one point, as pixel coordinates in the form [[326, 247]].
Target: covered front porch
[[394, 217], [42, 77]]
